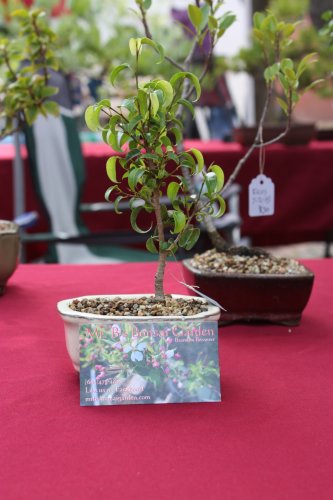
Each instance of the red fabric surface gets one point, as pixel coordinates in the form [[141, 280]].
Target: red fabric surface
[[270, 438], [303, 176]]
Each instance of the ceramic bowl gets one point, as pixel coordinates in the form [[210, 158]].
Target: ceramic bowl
[[9, 251], [279, 298], [73, 320]]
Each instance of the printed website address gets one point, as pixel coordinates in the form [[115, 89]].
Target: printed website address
[[117, 398]]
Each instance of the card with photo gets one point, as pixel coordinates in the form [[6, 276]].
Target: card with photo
[[149, 363]]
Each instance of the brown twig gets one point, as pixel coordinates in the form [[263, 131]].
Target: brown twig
[[256, 142]]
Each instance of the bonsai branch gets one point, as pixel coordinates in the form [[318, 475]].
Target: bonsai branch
[[257, 143]]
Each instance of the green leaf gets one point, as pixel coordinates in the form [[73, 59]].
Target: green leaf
[[49, 91], [111, 168], [199, 158], [181, 75], [31, 114], [305, 62], [172, 191], [134, 215], [283, 105], [150, 156], [114, 143], [271, 72], [195, 15], [219, 175], [167, 90], [189, 238], [150, 245], [118, 69], [211, 182], [134, 177], [226, 21], [313, 84], [188, 161], [23, 13], [212, 23], [205, 10], [128, 104], [109, 191], [154, 104], [258, 34], [146, 4], [286, 63], [179, 221], [177, 133], [222, 207], [187, 104], [166, 142], [51, 107], [133, 123], [134, 46], [258, 19], [156, 46], [92, 118], [291, 75], [116, 203], [132, 154]]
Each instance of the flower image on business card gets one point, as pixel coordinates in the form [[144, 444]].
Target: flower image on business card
[[149, 363]]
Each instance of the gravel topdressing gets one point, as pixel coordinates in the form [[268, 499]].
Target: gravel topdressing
[[246, 264], [143, 306]]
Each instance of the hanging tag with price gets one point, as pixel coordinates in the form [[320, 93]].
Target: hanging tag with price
[[261, 196]]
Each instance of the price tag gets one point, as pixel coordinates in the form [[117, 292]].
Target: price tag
[[261, 196]]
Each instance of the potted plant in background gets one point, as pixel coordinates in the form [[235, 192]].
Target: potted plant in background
[[306, 39], [146, 130], [251, 284], [25, 62]]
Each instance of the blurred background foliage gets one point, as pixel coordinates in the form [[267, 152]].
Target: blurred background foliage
[[93, 37], [308, 38]]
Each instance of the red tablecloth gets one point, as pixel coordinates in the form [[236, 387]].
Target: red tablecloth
[[270, 438], [303, 177]]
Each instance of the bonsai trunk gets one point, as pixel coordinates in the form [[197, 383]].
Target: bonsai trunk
[[159, 276]]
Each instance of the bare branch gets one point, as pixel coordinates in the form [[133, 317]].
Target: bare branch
[[145, 23], [257, 143]]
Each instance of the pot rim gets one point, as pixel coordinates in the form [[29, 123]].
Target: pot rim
[[12, 227], [214, 274], [65, 311]]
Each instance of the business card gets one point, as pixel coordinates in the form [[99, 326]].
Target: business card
[[152, 362]]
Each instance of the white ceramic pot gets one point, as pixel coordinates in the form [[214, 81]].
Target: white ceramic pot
[[73, 320]]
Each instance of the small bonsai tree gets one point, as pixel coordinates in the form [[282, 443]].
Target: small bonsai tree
[[25, 62], [149, 123]]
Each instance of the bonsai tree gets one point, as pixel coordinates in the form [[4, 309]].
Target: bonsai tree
[[25, 63], [147, 129]]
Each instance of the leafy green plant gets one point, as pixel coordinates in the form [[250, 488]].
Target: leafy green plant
[[148, 124], [296, 42], [147, 130], [25, 64]]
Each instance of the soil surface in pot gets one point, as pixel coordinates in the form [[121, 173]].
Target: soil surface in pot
[[245, 260], [143, 306]]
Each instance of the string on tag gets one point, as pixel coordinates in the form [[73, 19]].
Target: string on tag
[[194, 289], [261, 154]]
